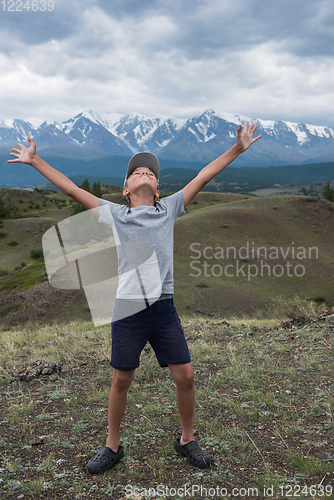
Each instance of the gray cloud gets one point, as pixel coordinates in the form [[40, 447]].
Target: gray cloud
[[36, 27], [271, 60]]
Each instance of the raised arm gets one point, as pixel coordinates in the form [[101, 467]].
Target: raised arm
[[244, 141], [29, 156]]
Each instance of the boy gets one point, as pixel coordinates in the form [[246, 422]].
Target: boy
[[149, 222]]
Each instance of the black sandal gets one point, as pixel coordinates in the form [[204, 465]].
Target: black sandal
[[105, 459], [194, 454]]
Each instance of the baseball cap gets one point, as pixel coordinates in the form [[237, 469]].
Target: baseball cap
[[144, 159]]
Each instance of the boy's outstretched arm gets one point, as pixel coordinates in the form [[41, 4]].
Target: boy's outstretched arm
[[244, 141], [23, 154]]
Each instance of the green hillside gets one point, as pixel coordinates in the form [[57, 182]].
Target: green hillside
[[295, 234]]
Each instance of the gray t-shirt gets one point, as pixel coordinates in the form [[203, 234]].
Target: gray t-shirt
[[150, 225]]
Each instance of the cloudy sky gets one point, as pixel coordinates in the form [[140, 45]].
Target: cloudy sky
[[259, 58]]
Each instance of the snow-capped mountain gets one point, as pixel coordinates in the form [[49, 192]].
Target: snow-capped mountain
[[13, 131], [201, 137]]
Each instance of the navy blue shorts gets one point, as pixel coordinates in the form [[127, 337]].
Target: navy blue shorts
[[160, 325]]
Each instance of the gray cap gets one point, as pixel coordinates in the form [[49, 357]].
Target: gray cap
[[144, 159]]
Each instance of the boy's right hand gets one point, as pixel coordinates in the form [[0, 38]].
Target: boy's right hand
[[24, 154]]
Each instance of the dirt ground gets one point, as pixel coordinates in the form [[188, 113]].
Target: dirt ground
[[55, 450], [44, 303]]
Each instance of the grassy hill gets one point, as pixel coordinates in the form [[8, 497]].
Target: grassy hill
[[284, 229], [293, 234]]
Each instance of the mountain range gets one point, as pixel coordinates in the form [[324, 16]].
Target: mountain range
[[197, 139]]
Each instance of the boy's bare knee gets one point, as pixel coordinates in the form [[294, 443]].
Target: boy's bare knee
[[121, 380], [189, 378], [183, 375]]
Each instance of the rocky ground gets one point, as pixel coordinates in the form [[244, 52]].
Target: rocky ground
[[274, 442]]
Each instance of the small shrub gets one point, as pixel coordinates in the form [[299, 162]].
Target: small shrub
[[202, 284], [33, 488], [304, 191], [80, 426], [294, 308], [47, 416], [308, 465], [37, 253], [16, 214], [13, 243], [3, 272], [2, 234], [319, 299]]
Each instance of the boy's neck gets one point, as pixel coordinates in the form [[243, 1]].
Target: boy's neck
[[141, 201], [142, 205]]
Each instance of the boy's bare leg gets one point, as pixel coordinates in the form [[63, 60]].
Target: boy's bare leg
[[121, 382], [185, 397]]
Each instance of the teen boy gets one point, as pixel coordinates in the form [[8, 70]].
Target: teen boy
[[150, 222]]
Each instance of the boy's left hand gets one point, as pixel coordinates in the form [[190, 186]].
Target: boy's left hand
[[245, 137]]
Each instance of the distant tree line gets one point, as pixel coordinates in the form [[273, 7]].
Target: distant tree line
[[95, 190]]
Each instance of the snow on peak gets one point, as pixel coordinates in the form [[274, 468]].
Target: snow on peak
[[9, 123], [178, 123], [93, 116], [203, 128], [234, 118], [296, 128], [138, 131], [266, 124], [106, 120], [320, 131], [15, 123]]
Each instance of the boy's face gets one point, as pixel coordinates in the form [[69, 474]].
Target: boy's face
[[142, 176]]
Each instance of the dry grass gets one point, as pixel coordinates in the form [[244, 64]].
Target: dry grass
[[265, 425]]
